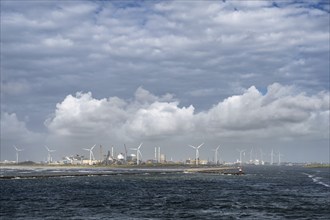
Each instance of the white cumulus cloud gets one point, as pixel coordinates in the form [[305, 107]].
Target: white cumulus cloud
[[15, 132], [282, 111], [13, 129]]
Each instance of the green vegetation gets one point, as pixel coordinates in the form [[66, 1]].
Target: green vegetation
[[318, 165]]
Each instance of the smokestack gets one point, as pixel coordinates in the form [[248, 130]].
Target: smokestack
[[156, 154]]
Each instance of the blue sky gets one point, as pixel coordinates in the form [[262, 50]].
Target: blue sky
[[241, 74]]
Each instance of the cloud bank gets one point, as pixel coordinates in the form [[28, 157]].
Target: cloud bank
[[281, 112]]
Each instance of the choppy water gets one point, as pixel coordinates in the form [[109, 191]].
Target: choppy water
[[264, 193]]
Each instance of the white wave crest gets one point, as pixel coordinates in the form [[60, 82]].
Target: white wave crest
[[317, 179]]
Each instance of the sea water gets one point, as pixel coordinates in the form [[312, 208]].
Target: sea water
[[265, 192]]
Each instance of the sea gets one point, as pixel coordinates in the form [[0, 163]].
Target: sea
[[264, 192]]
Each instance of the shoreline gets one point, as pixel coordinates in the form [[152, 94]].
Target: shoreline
[[146, 166], [42, 172]]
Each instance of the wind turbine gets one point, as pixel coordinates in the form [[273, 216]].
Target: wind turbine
[[279, 158], [197, 152], [17, 150], [91, 155], [251, 155], [125, 152], [138, 153], [240, 155], [261, 157], [272, 157], [216, 154], [49, 154]]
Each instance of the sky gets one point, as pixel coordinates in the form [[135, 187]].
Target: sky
[[250, 75]]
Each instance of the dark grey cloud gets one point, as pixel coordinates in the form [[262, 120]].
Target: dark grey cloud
[[203, 52]]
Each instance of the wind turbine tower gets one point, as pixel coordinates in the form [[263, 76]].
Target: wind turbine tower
[[17, 150], [272, 157], [251, 156], [138, 154], [197, 152], [261, 157], [50, 159], [91, 155], [125, 152], [240, 155], [279, 158], [216, 155]]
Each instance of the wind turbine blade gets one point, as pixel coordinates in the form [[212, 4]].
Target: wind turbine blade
[[200, 145], [140, 145], [192, 146], [218, 147], [15, 147], [133, 148], [86, 149], [93, 147]]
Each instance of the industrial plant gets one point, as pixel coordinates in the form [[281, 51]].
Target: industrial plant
[[134, 157]]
